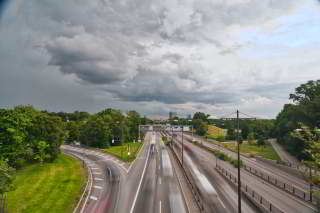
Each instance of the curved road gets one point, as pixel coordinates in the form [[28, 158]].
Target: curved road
[[148, 184]]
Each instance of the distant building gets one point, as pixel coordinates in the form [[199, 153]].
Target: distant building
[[172, 115], [216, 131]]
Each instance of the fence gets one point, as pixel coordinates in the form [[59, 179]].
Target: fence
[[259, 201], [3, 203], [302, 194]]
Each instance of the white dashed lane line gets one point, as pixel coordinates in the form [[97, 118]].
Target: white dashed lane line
[[96, 173], [97, 187], [98, 179], [93, 198]]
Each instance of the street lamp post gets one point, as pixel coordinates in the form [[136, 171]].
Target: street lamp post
[[171, 135], [139, 140], [239, 178], [118, 122], [182, 146], [191, 130]]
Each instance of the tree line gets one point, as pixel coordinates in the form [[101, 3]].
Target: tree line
[[28, 135], [297, 125], [259, 129]]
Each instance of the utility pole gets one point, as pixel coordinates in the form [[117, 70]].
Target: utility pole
[[171, 135], [122, 133], [310, 183], [139, 134], [182, 146], [237, 119], [239, 178]]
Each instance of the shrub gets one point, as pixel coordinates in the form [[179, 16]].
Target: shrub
[[234, 162]]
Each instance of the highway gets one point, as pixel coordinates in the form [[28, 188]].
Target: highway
[[160, 191], [149, 184], [106, 180], [277, 197], [268, 169], [216, 193]]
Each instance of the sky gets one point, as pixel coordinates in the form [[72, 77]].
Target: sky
[[152, 56]]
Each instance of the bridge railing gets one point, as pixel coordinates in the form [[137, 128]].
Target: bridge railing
[[250, 193]]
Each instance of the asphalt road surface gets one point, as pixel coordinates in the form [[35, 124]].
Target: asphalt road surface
[[268, 169], [277, 197], [160, 191], [217, 194], [149, 184]]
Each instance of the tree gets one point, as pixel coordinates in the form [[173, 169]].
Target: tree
[[96, 132], [133, 123], [73, 131], [41, 154], [307, 97], [200, 116], [231, 134], [261, 141], [200, 127], [251, 138], [304, 113], [6, 176]]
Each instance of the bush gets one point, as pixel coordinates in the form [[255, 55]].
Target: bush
[[261, 141], [234, 162], [221, 156]]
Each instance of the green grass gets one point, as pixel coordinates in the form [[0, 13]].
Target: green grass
[[48, 187], [266, 151], [122, 151]]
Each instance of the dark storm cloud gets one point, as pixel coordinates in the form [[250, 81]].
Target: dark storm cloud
[[3, 4], [151, 85], [128, 53]]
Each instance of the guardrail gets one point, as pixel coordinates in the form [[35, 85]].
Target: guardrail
[[302, 194], [187, 173], [289, 188], [251, 194]]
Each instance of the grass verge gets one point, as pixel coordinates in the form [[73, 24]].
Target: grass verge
[[127, 152], [48, 187], [221, 155], [265, 151]]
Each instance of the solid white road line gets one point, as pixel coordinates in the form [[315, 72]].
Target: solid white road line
[[144, 170], [97, 187], [98, 178], [96, 173], [160, 207], [221, 202], [94, 168], [160, 180]]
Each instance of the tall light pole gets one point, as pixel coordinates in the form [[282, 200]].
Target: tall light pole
[[239, 178], [191, 130], [119, 122], [139, 140], [182, 145], [171, 135]]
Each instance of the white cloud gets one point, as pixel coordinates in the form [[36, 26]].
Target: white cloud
[[210, 55]]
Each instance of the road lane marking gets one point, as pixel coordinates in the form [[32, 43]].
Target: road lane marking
[[98, 178], [221, 202], [93, 198], [160, 180], [94, 168], [144, 170], [96, 173], [97, 187], [160, 206]]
